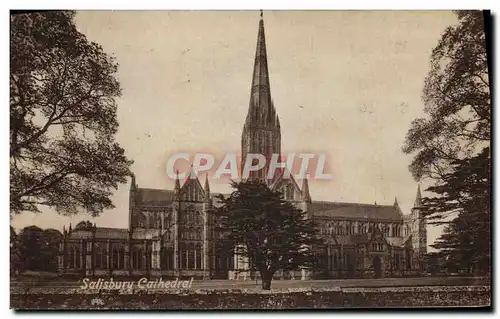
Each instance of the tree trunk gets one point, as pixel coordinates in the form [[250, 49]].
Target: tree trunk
[[266, 279]]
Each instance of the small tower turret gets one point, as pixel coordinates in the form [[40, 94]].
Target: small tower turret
[[418, 198], [177, 187], [207, 189], [306, 196]]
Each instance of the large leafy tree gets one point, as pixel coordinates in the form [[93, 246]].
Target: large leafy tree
[[38, 249], [256, 222], [30, 246], [451, 143], [457, 100], [63, 91]]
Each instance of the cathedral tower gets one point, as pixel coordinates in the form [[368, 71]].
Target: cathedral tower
[[261, 132], [418, 228]]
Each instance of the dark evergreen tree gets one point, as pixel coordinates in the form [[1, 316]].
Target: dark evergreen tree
[[259, 224], [463, 202]]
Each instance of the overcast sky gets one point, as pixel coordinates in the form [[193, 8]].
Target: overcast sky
[[344, 83]]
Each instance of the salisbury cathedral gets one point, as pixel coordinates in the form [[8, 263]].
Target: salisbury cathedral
[[170, 233]]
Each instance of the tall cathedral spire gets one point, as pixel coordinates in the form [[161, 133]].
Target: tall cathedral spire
[[261, 132], [261, 110]]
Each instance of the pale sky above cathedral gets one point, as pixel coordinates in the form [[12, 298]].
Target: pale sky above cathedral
[[344, 83]]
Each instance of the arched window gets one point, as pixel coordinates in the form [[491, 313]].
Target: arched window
[[101, 258], [77, 257], [361, 256], [408, 259], [137, 254], [74, 257], [141, 220], [168, 258], [71, 258], [396, 261], [198, 257], [97, 257], [104, 260], [166, 220], [333, 257], [148, 257], [191, 256], [118, 257], [183, 256]]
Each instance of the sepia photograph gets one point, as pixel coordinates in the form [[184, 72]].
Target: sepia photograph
[[250, 160]]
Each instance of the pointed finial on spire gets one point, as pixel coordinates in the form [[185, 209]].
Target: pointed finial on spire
[[133, 184], [261, 14], [396, 201], [192, 173], [418, 199], [306, 196], [207, 188], [375, 203]]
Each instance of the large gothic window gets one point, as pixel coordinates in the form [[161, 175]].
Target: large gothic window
[[137, 254], [377, 246], [191, 257], [74, 257], [168, 258], [344, 260], [386, 229], [361, 256], [396, 261], [101, 258], [198, 257], [183, 256], [118, 257], [141, 220], [408, 259], [158, 221], [148, 257], [166, 220]]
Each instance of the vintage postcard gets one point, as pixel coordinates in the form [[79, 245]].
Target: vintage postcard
[[182, 160]]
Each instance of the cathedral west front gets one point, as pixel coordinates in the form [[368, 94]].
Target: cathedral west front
[[171, 233]]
